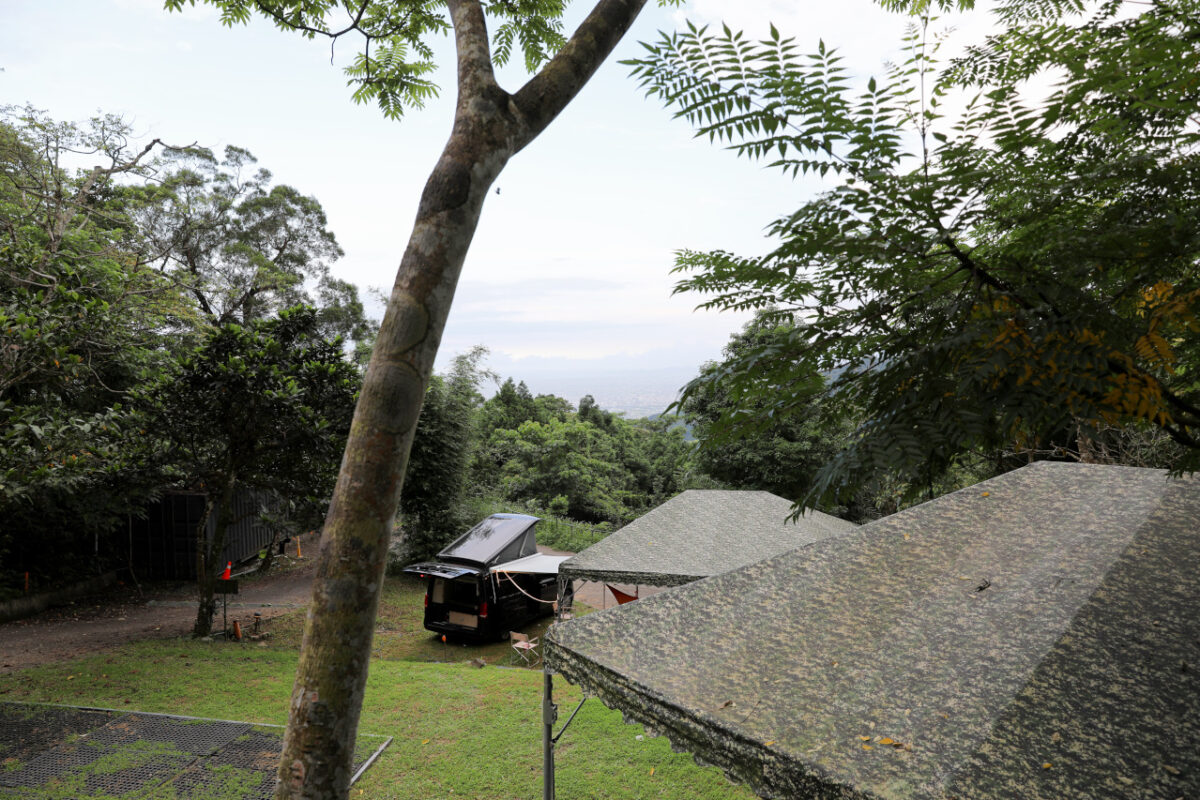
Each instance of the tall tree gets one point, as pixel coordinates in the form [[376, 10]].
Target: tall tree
[[1025, 272], [242, 248], [774, 453], [490, 126], [239, 247], [264, 407], [82, 320]]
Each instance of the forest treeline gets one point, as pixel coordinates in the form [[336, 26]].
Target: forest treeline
[[168, 321]]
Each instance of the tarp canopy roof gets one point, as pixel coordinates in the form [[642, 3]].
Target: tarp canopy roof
[[501, 535], [536, 564], [698, 533], [1033, 636]]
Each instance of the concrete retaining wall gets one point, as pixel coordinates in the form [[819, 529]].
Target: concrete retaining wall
[[29, 605]]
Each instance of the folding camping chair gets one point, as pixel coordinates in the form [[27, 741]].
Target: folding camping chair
[[524, 646]]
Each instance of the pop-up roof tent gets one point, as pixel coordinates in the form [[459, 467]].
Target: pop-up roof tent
[[699, 533], [499, 538], [502, 543], [1034, 636]]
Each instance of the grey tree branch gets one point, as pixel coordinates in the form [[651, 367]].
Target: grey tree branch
[[545, 95]]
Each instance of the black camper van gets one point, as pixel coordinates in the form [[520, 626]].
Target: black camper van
[[489, 581]]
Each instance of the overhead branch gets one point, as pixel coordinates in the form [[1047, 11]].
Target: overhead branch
[[546, 94], [268, 9]]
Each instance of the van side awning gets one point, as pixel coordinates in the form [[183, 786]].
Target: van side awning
[[449, 571], [536, 564]]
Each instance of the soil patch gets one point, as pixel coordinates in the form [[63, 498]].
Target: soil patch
[[123, 614]]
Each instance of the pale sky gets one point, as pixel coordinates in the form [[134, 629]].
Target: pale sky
[[568, 275]]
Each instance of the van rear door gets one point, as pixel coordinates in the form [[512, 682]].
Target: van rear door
[[455, 601], [454, 597]]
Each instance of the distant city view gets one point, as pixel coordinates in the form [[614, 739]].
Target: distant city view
[[635, 393]]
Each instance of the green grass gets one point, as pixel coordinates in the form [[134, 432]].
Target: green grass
[[400, 633], [459, 731], [73, 783]]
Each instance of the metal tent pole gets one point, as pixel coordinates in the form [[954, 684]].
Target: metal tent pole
[[549, 717]]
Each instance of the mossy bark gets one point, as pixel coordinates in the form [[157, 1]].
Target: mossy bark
[[490, 126]]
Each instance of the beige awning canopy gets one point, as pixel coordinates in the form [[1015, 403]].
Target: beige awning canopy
[[536, 564]]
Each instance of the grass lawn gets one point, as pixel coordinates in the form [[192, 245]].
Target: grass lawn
[[460, 731]]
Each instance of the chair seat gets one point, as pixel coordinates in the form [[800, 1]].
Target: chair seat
[[523, 645]]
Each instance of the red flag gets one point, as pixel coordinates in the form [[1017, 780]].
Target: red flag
[[622, 597]]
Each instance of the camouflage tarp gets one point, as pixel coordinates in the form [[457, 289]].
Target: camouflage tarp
[[1034, 636], [699, 533]]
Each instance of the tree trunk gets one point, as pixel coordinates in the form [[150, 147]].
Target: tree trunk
[[204, 611], [268, 558], [207, 555], [490, 126]]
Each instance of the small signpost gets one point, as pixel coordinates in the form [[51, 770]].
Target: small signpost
[[226, 587]]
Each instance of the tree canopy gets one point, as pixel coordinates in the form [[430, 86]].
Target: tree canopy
[[83, 319], [265, 407], [1020, 273], [783, 453], [239, 247], [96, 307]]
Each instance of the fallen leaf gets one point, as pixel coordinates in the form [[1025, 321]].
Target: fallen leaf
[[887, 740], [865, 738], [726, 704], [985, 494], [907, 537], [867, 747], [769, 742], [424, 741], [652, 770], [1046, 765], [1170, 769]]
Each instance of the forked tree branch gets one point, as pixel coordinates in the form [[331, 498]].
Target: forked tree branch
[[546, 94], [475, 75]]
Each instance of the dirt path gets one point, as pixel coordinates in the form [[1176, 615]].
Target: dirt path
[[94, 624]]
